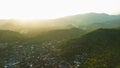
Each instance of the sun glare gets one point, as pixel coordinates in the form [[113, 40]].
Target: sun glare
[[50, 9]]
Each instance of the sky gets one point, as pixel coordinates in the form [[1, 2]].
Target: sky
[[50, 9]]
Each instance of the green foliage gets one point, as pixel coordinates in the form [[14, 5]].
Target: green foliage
[[60, 34], [98, 49], [10, 36]]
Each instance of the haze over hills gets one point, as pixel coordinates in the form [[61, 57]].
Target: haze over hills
[[59, 33], [80, 21], [86, 21], [107, 24], [89, 18]]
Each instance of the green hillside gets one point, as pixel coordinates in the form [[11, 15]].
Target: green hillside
[[10, 36], [97, 49], [59, 34], [107, 24]]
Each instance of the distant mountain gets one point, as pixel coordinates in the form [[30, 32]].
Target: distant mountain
[[97, 49], [79, 21], [108, 24], [85, 19], [89, 21]]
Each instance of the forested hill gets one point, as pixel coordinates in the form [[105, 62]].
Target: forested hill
[[10, 36], [97, 49], [58, 35]]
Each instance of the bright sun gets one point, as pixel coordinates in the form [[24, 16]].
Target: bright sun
[[50, 9]]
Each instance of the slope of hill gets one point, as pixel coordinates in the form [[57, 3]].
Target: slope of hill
[[108, 24], [10, 36], [98, 49], [59, 34]]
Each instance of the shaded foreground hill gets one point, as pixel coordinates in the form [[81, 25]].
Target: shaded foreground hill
[[97, 49]]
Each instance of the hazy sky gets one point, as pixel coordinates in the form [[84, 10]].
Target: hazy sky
[[44, 9]]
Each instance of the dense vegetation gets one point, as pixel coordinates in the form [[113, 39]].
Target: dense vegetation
[[98, 49]]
